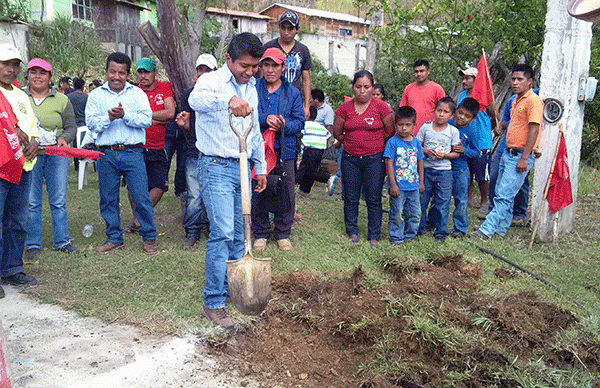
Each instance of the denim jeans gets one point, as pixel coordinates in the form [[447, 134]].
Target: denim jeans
[[282, 223], [130, 164], [522, 198], [438, 189], [460, 186], [14, 200], [404, 227], [54, 170], [221, 192], [508, 184], [192, 219], [363, 173], [175, 142]]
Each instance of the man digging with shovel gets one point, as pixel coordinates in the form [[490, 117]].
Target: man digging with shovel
[[229, 89]]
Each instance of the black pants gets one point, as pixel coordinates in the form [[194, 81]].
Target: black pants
[[309, 172]]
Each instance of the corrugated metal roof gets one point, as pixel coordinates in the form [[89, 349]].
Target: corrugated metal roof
[[231, 12], [321, 14]]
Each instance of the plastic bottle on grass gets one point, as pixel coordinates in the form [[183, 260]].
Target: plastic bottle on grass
[[87, 231]]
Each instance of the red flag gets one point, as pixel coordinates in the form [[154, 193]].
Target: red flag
[[69, 152], [11, 159], [483, 91], [270, 156], [559, 192]]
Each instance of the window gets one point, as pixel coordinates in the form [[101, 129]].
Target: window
[[82, 9], [235, 23], [345, 32]]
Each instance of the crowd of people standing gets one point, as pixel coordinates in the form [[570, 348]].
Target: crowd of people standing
[[427, 150]]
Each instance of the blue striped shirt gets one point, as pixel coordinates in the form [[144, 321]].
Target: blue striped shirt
[[129, 130], [210, 99]]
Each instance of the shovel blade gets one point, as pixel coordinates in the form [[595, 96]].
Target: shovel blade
[[249, 282]]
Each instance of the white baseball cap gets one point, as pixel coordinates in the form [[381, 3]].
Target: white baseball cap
[[8, 52], [207, 60]]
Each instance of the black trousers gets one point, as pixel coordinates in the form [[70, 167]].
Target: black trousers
[[308, 172]]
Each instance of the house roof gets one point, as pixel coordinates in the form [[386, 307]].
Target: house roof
[[243, 14], [135, 5], [321, 14]]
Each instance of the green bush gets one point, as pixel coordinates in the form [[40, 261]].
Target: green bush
[[335, 86]]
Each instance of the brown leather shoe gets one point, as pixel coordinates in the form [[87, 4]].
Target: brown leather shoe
[[219, 317], [150, 247], [107, 247]]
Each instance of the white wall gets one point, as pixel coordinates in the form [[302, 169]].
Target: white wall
[[344, 57], [15, 34]]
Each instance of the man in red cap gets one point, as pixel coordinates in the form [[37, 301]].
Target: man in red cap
[[279, 109]]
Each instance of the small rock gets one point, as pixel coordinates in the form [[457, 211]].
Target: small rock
[[243, 383], [303, 376]]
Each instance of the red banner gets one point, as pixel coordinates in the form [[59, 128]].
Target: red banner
[[483, 91], [559, 192], [11, 155]]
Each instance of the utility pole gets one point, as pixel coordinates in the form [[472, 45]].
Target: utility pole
[[565, 68]]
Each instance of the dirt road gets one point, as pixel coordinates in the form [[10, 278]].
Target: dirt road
[[47, 347]]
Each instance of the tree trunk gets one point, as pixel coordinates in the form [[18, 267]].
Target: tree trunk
[[371, 44]]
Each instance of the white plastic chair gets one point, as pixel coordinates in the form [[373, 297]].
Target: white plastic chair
[[82, 134]]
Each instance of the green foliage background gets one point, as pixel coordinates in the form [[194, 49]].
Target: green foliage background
[[335, 86]]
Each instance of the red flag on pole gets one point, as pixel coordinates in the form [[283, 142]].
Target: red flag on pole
[[483, 91], [11, 159], [559, 191]]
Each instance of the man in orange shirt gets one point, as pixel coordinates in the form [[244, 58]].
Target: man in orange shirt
[[522, 139], [422, 95]]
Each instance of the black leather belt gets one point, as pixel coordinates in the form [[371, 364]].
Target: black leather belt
[[120, 147], [516, 151]]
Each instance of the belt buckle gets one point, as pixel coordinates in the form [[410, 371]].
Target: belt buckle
[[119, 147]]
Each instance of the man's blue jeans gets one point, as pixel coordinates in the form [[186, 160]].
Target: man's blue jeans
[[175, 142], [54, 170], [130, 164], [522, 198], [507, 186], [460, 185], [14, 200], [221, 192], [363, 173], [404, 228], [438, 189], [192, 219]]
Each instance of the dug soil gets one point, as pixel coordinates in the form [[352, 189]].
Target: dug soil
[[425, 326]]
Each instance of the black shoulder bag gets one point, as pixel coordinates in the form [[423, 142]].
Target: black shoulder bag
[[276, 198]]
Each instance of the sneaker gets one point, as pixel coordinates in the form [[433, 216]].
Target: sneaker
[[132, 228], [397, 244], [284, 244], [259, 244], [439, 239], [2, 294], [478, 234], [32, 253], [20, 279], [150, 247], [69, 248], [107, 247], [303, 194], [457, 234], [219, 317], [331, 182], [189, 242], [519, 222]]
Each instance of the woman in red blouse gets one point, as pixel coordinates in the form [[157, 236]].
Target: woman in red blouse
[[363, 124]]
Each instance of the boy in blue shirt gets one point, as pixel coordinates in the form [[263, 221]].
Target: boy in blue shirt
[[465, 114], [437, 139], [404, 164]]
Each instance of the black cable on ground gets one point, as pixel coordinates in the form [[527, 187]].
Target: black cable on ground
[[533, 275]]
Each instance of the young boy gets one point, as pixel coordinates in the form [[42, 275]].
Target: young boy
[[314, 139], [465, 114], [438, 138], [404, 163]]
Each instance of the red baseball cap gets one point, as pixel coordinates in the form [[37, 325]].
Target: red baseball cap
[[39, 62], [275, 54]]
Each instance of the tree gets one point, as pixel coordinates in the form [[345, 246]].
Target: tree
[[335, 86]]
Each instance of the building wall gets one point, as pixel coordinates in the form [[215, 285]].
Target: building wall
[[15, 34], [255, 26]]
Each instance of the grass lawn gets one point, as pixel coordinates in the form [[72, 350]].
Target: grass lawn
[[163, 292]]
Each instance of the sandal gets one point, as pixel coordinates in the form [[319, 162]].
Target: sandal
[[132, 228], [353, 239]]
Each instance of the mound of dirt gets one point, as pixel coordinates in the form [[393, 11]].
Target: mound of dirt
[[416, 332]]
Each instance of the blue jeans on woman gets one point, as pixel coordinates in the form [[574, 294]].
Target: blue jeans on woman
[[460, 187], [54, 170], [438, 189], [405, 227], [363, 173], [13, 212], [221, 192]]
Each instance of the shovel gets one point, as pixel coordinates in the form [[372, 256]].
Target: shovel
[[249, 278]]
